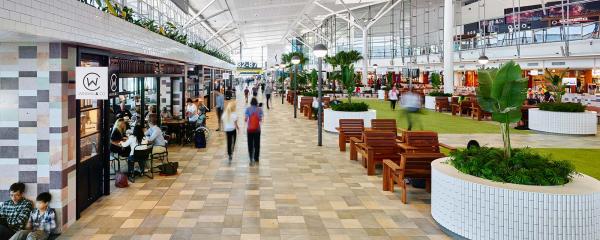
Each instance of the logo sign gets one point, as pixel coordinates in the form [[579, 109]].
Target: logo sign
[[91, 83], [226, 76], [569, 81]]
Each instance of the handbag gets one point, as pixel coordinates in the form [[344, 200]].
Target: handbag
[[169, 168], [121, 180]]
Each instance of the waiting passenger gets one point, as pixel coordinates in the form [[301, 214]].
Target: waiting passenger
[[42, 221], [133, 141], [123, 111], [155, 135], [14, 212], [165, 114], [117, 136]]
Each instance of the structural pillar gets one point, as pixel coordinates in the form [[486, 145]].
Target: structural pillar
[[448, 46], [365, 61]]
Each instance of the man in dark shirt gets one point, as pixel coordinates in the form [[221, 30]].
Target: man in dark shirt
[[123, 112], [14, 212]]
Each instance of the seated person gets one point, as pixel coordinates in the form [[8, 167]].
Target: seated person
[[133, 141], [123, 111], [335, 101], [117, 136], [165, 114], [151, 110], [14, 212], [42, 221], [155, 135]]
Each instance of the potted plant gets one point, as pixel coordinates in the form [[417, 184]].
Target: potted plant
[[346, 77], [486, 193], [436, 83], [561, 117]]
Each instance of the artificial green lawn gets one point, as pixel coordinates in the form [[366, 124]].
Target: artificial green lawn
[[586, 161], [435, 121]]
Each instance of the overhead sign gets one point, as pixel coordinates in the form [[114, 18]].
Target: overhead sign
[[91, 83], [225, 75]]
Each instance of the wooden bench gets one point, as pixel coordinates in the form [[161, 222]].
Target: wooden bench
[[477, 112], [412, 165], [442, 103], [422, 142], [377, 146], [347, 129], [388, 125], [305, 104]]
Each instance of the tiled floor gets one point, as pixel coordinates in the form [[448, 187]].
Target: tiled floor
[[297, 191]]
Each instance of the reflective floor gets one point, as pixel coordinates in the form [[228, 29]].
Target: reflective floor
[[297, 191]]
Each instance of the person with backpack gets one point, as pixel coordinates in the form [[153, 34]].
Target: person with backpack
[[253, 119], [230, 126], [246, 92]]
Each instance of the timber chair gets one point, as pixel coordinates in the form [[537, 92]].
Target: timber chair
[[441, 104], [376, 146], [422, 142], [347, 129], [305, 105], [477, 112], [412, 165]]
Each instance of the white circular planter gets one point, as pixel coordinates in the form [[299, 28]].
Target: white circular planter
[[332, 118], [582, 123], [381, 94], [430, 102], [476, 208]]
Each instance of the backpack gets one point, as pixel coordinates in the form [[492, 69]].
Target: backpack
[[121, 180], [254, 121]]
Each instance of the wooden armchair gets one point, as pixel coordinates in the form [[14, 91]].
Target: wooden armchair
[[442, 103], [376, 146], [477, 112], [412, 165], [347, 129], [387, 125], [305, 105], [454, 105], [422, 142]]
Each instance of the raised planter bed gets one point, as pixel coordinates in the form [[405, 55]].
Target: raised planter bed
[[477, 208], [430, 102], [332, 118], [574, 123]]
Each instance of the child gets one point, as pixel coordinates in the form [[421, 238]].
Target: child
[[42, 221]]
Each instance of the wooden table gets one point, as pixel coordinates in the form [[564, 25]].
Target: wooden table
[[177, 126]]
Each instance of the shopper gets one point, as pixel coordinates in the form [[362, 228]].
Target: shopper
[[253, 119], [230, 126], [133, 141], [412, 104], [220, 105], [155, 136], [42, 221], [14, 212], [246, 92], [268, 92], [393, 96]]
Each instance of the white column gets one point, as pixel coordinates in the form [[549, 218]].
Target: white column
[[365, 60], [448, 46]]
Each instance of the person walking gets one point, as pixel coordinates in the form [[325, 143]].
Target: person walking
[[253, 119], [268, 92], [246, 92], [412, 104], [230, 126], [220, 105], [393, 96]]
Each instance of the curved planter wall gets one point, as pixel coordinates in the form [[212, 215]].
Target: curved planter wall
[[332, 118], [430, 102], [477, 208], [584, 123]]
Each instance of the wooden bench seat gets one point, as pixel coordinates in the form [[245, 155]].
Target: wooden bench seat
[[412, 165], [347, 129], [306, 105], [422, 142], [377, 146]]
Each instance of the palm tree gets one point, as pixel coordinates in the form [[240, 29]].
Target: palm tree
[[346, 62]]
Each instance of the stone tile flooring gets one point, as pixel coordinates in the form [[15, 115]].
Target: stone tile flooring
[[297, 191]]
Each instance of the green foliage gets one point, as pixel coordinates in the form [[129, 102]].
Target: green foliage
[[562, 107], [314, 79], [523, 167], [439, 94], [345, 60], [351, 107], [308, 94], [168, 29], [389, 83], [554, 83], [436, 80], [502, 93]]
